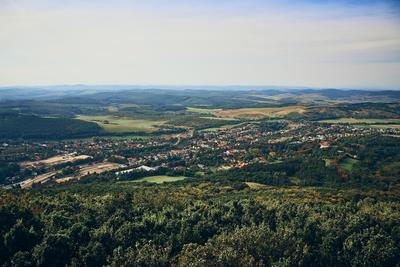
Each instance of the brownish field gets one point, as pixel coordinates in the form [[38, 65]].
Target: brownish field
[[257, 113]]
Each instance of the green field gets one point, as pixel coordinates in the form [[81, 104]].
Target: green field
[[360, 121], [123, 124], [160, 179], [348, 164]]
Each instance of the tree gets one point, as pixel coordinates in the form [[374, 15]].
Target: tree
[[55, 250]]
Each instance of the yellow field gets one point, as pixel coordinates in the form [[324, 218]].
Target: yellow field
[[123, 124], [257, 113], [203, 110]]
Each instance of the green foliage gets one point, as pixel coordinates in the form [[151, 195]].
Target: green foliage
[[357, 111], [8, 170], [198, 225], [29, 126]]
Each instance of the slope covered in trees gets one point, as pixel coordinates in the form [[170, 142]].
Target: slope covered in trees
[[199, 225], [30, 126]]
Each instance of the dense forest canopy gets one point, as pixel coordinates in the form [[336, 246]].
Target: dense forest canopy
[[30, 126], [199, 225]]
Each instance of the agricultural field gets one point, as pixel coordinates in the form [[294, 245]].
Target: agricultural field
[[258, 113], [123, 124], [304, 99], [203, 110], [218, 118], [161, 179]]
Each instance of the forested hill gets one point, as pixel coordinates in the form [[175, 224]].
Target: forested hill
[[30, 126], [200, 225]]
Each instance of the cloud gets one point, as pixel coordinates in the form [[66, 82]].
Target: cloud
[[193, 42]]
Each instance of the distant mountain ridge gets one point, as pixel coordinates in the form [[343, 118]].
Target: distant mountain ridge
[[65, 91]]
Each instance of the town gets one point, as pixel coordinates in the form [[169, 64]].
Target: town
[[193, 153]]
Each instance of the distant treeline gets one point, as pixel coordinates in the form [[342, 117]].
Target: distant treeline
[[358, 110]]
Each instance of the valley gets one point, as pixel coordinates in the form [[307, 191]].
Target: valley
[[171, 177]]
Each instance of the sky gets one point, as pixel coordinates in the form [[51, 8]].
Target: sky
[[313, 43]]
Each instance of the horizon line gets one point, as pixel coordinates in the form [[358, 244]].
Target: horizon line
[[221, 86]]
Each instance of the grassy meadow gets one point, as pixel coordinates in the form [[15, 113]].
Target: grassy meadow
[[123, 124], [348, 164]]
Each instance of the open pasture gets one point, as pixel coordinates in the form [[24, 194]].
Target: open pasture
[[123, 124], [348, 163]]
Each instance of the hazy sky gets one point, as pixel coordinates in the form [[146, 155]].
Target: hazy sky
[[215, 42]]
